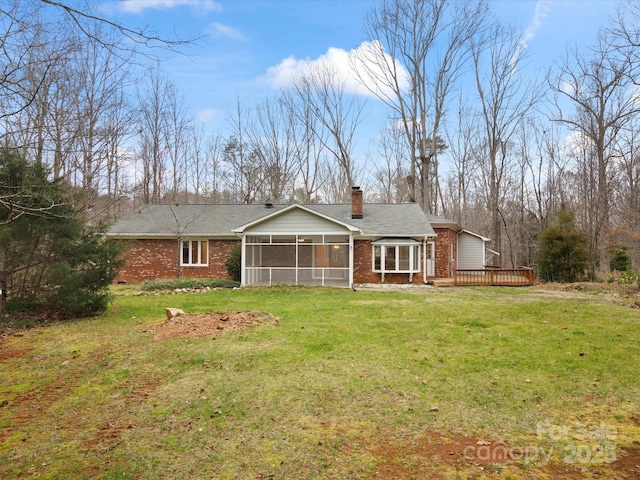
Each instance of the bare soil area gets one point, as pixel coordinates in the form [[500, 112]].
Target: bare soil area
[[210, 324], [595, 288], [619, 294]]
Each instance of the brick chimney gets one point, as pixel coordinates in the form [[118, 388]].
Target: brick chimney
[[356, 202]]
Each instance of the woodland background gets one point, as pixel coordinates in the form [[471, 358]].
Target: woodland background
[[86, 98]]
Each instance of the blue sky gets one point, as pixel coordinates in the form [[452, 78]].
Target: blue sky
[[251, 48]]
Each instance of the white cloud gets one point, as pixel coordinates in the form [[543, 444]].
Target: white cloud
[[138, 6], [575, 144], [286, 72], [540, 12], [218, 30], [207, 114], [543, 7], [568, 88], [355, 69]]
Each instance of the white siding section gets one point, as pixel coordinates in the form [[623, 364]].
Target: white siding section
[[470, 252], [297, 221]]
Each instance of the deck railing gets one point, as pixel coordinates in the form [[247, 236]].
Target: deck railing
[[495, 276]]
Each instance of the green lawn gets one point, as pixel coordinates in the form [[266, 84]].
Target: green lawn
[[366, 384]]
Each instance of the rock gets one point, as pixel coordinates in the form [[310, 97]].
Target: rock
[[173, 312]]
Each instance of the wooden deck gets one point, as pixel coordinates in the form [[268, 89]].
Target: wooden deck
[[520, 276]]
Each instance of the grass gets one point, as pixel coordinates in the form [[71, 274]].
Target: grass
[[348, 385]]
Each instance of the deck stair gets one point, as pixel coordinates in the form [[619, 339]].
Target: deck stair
[[443, 282]]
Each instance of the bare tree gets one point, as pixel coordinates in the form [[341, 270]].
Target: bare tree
[[625, 30], [505, 98], [272, 135], [338, 115], [463, 143], [245, 177], [311, 175], [85, 20], [152, 136], [24, 27], [391, 175], [627, 190], [534, 192], [65, 124], [419, 51], [597, 86], [215, 169], [20, 39], [176, 137], [119, 125], [196, 164], [101, 78]]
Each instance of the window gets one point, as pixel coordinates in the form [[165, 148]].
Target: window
[[195, 252], [396, 258]]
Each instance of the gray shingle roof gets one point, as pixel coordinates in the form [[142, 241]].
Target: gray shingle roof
[[389, 220]]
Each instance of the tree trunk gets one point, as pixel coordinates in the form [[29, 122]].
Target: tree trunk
[[4, 284]]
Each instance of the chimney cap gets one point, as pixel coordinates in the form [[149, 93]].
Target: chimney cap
[[355, 188], [268, 205]]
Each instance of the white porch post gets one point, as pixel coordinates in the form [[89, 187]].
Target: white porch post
[[243, 257]]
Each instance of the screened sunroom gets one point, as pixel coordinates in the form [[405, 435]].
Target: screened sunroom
[[300, 259], [287, 248]]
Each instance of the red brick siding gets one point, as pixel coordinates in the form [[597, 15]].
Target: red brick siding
[[153, 259], [362, 266], [446, 250]]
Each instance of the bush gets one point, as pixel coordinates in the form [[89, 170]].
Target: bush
[[234, 263], [620, 259], [174, 283], [51, 258], [563, 255]]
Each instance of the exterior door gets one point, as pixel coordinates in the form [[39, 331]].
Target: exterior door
[[431, 259]]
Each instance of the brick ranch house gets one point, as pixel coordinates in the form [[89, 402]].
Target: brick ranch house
[[331, 245]]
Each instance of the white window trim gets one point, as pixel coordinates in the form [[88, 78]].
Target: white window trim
[[383, 269], [192, 264]]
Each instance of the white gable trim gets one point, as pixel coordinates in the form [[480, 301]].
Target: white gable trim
[[240, 230], [484, 239]]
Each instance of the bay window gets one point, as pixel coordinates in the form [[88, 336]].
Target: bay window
[[396, 256]]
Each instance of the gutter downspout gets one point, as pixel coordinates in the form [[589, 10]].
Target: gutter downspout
[[351, 255]]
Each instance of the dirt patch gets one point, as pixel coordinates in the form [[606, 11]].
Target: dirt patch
[[609, 291], [27, 406], [438, 456], [435, 452], [6, 354], [211, 324], [628, 462], [135, 390]]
